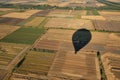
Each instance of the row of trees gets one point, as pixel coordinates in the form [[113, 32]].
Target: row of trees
[[28, 6]]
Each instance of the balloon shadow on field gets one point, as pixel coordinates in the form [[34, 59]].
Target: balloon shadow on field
[[80, 39]]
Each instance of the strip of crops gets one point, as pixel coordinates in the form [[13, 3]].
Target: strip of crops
[[24, 35]]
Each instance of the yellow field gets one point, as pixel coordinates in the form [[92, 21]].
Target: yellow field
[[12, 48], [69, 23], [6, 9], [35, 22], [7, 29], [79, 12], [60, 13], [109, 13], [93, 17], [21, 15]]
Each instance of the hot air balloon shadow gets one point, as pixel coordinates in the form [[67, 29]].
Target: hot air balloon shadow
[[81, 38]]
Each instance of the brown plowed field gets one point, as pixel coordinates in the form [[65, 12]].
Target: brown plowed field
[[47, 45], [79, 66], [106, 25], [10, 21], [42, 13]]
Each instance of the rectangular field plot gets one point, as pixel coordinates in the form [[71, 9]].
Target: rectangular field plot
[[6, 30], [106, 25], [24, 35], [21, 15], [112, 60], [92, 12], [8, 51], [93, 17], [36, 63], [82, 66], [69, 23], [58, 34], [78, 12], [54, 40], [42, 13], [60, 13], [10, 21], [111, 15], [35, 22], [6, 9], [50, 45]]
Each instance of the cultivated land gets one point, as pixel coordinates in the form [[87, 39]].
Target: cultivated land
[[69, 66], [64, 37], [21, 15], [60, 13], [111, 15], [35, 66], [8, 51], [111, 60], [7, 9], [93, 17], [48, 52], [69, 23], [24, 35], [61, 39], [107, 25], [35, 22], [6, 30], [10, 21]]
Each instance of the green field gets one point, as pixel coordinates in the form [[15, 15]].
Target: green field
[[92, 12], [24, 35], [2, 12]]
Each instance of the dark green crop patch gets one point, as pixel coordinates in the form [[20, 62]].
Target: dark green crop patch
[[24, 35]]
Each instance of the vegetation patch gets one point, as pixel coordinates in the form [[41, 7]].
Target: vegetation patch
[[24, 35], [92, 12], [35, 22]]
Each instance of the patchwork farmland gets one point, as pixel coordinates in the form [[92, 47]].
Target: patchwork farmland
[[93, 17], [10, 21], [34, 67], [69, 23], [7, 9], [38, 44], [111, 60], [35, 22], [8, 52], [6, 30], [60, 13], [21, 15], [24, 35], [111, 15], [106, 25]]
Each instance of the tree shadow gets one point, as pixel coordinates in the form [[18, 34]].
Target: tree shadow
[[80, 38]]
